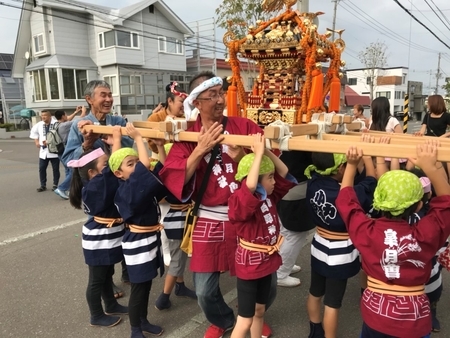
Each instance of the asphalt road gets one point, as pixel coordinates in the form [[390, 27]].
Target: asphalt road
[[43, 276]]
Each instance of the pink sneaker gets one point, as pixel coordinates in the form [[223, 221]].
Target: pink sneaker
[[266, 331], [215, 332]]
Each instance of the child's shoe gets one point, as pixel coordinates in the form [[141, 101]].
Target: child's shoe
[[136, 332], [316, 330], [117, 309], [435, 325], [182, 291], [104, 320], [163, 302], [150, 328]]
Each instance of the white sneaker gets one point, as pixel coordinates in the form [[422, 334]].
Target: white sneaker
[[289, 282], [295, 269]]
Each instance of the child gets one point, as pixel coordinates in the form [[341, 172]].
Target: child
[[396, 256], [334, 258], [137, 201], [93, 187], [174, 222], [252, 209]]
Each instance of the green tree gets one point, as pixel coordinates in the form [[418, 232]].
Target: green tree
[[242, 13], [446, 87]]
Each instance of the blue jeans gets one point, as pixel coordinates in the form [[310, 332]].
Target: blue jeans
[[211, 301], [65, 185], [43, 164]]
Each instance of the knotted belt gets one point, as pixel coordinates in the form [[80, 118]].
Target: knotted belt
[[181, 207], [268, 249], [143, 229], [328, 234], [376, 285], [109, 222]]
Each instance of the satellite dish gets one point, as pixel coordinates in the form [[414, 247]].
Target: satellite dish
[[27, 55]]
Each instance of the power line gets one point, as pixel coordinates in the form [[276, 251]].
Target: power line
[[155, 37], [436, 14], [426, 17], [417, 20], [440, 11]]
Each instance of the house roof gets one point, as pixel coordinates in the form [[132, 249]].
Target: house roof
[[378, 68], [62, 61], [6, 61], [352, 98]]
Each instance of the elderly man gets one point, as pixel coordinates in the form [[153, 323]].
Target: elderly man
[[214, 238], [99, 97]]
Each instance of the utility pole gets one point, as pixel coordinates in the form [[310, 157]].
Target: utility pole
[[303, 6], [334, 17], [438, 73]]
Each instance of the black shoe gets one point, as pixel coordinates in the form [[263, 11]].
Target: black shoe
[[163, 302], [104, 320], [117, 310], [41, 189], [182, 291], [136, 332], [54, 187], [435, 325], [316, 330], [150, 328]]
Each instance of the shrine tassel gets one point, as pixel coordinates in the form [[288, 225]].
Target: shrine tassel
[[232, 101], [315, 98], [335, 95]]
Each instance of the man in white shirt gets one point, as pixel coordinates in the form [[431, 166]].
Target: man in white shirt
[[39, 134]]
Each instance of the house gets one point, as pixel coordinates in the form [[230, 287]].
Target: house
[[11, 90], [388, 82], [62, 45], [352, 99]]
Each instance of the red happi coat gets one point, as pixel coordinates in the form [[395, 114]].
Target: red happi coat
[[396, 253], [214, 242], [256, 221]]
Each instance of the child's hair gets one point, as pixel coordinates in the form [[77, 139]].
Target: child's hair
[[405, 215], [80, 176], [323, 161]]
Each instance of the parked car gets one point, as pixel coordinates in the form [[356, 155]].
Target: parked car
[[19, 115]]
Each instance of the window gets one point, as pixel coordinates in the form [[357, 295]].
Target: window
[[130, 84], [74, 82], [403, 78], [118, 38], [384, 94], [368, 80], [170, 45], [53, 81], [398, 95], [39, 44], [352, 81], [151, 9], [112, 81], [40, 85]]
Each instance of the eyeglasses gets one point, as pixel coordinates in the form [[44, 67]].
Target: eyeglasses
[[214, 98]]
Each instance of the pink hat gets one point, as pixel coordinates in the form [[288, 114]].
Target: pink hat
[[426, 184]]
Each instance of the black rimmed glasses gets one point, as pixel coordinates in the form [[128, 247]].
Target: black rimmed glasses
[[213, 98]]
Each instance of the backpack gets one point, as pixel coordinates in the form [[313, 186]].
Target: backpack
[[55, 144]]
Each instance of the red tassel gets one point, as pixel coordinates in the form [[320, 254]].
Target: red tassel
[[315, 98], [232, 101]]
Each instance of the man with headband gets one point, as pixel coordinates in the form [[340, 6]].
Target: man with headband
[[214, 238], [395, 255]]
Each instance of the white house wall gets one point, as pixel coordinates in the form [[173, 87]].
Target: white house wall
[[37, 25], [70, 34]]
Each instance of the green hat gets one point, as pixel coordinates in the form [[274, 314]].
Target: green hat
[[396, 191], [116, 158], [338, 160], [246, 162]]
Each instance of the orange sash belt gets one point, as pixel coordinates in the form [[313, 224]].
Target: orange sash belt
[[376, 285], [327, 234], [268, 249], [181, 207], [143, 229], [109, 222]]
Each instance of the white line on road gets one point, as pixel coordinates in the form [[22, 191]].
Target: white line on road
[[41, 232]]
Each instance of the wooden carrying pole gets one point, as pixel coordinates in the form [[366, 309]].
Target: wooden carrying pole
[[295, 143], [393, 140]]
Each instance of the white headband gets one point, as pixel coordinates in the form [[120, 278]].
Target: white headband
[[205, 85]]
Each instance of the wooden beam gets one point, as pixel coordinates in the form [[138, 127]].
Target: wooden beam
[[161, 126], [336, 119], [357, 138], [273, 133], [296, 143], [442, 140]]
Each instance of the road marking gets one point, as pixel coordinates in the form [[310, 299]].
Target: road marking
[[196, 321], [41, 232]]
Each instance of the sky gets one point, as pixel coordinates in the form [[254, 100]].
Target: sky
[[409, 44]]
